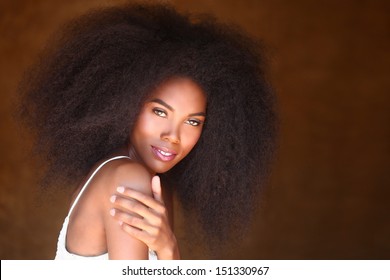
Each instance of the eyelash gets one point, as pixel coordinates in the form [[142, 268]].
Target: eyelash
[[161, 113], [194, 122]]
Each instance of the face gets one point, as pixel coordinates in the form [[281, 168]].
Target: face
[[169, 125]]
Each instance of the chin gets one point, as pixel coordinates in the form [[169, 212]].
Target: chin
[[162, 168]]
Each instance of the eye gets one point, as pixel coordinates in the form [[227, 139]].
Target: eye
[[194, 122], [160, 112]]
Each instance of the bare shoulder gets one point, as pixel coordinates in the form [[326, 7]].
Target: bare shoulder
[[124, 172], [90, 216]]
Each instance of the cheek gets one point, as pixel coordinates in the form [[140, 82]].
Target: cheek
[[145, 126], [191, 138]]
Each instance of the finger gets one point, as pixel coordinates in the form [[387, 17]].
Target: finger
[[141, 235], [131, 220], [141, 197], [133, 207], [156, 189]]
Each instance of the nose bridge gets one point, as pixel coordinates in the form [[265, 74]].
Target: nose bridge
[[171, 132]]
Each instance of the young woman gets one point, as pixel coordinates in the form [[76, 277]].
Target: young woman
[[130, 92]]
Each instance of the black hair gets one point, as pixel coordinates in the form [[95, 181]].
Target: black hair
[[83, 96]]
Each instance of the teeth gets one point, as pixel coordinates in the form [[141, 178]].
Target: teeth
[[164, 153]]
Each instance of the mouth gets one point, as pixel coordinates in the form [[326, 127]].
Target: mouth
[[163, 154]]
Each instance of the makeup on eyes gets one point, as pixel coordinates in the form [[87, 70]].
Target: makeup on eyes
[[159, 111]]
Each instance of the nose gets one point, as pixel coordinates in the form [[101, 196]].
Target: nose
[[171, 134]]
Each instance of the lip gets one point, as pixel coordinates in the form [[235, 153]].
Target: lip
[[163, 154]]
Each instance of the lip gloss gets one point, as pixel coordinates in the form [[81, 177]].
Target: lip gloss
[[163, 155]]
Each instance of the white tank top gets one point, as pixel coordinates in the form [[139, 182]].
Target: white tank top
[[62, 253]]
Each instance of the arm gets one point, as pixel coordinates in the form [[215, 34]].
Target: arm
[[156, 231], [121, 245]]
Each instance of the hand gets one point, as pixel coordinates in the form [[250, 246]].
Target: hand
[[145, 218]]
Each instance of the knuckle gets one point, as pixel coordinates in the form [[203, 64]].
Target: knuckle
[[129, 219], [159, 224], [164, 211], [137, 207], [158, 232]]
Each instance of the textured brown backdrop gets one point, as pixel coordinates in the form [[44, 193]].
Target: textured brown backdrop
[[329, 194]]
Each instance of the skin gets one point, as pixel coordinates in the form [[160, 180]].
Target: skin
[[168, 127], [133, 208]]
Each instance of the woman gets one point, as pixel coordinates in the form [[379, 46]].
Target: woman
[[153, 92]]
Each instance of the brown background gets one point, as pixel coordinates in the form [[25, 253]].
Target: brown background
[[329, 194]]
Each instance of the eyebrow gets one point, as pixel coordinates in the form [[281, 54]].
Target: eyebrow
[[161, 102]]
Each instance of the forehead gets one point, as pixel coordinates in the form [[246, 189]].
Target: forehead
[[181, 93]]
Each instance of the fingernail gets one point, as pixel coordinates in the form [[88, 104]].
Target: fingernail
[[112, 212], [113, 198], [120, 189]]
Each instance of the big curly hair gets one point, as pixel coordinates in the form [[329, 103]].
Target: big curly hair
[[83, 96]]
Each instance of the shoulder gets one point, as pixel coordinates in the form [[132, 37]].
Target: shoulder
[[124, 172], [119, 172]]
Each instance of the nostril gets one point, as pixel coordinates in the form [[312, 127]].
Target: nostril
[[170, 138]]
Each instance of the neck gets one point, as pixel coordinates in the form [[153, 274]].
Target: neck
[[133, 156]]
